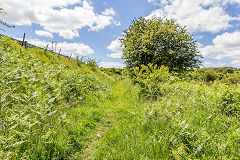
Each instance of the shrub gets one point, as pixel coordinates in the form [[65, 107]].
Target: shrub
[[230, 104], [149, 78], [231, 79]]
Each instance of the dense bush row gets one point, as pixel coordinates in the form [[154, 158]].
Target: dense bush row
[[153, 79], [225, 75]]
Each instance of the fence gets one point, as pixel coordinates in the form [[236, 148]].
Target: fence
[[28, 45]]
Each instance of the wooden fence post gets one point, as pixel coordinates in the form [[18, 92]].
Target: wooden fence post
[[46, 49], [23, 39], [59, 52]]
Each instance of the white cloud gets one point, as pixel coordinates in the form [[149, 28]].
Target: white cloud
[[197, 15], [68, 49], [115, 55], [199, 37], [111, 65], [225, 46], [236, 63], [109, 11], [214, 64], [44, 33], [56, 17], [116, 48], [151, 1], [158, 2]]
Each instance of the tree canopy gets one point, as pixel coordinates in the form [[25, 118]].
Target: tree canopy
[[2, 13], [159, 41]]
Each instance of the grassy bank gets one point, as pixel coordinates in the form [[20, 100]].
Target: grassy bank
[[49, 104], [53, 107]]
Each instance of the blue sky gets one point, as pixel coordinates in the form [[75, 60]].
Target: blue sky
[[92, 27]]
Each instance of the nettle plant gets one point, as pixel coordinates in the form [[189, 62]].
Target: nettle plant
[[150, 78]]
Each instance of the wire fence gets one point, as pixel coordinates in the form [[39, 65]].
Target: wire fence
[[28, 45]]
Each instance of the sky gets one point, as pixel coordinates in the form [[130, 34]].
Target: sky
[[92, 27]]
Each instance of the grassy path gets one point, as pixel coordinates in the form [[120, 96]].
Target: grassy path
[[178, 125], [122, 98]]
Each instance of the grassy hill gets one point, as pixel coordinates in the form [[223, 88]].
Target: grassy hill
[[49, 104], [53, 107]]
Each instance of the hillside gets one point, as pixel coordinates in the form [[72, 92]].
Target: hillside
[[49, 104], [59, 108]]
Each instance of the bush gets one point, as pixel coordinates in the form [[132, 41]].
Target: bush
[[230, 104], [231, 79], [209, 76], [149, 79], [225, 75]]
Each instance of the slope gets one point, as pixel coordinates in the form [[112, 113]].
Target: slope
[[48, 103]]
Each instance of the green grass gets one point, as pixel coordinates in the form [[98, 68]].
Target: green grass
[[115, 108], [53, 107], [187, 122], [48, 106]]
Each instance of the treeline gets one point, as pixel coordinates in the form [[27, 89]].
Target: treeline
[[228, 75]]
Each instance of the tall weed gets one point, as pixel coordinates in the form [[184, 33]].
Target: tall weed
[[47, 109]]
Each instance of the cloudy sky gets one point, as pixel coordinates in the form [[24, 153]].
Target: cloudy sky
[[92, 27]]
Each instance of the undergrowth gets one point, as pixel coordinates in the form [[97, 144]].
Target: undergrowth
[[175, 119], [48, 106], [51, 107]]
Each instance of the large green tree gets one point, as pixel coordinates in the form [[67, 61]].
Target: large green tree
[[159, 41]]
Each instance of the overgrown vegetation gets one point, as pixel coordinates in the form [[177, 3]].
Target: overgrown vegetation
[[116, 73], [175, 118], [53, 107], [49, 107], [225, 75]]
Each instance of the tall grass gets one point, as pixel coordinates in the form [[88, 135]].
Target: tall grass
[[187, 120], [48, 107], [51, 107]]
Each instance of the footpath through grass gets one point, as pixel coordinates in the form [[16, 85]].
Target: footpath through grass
[[186, 122], [57, 108], [118, 106]]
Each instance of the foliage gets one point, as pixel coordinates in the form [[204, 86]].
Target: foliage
[[112, 71], [231, 79], [225, 75], [87, 61], [148, 77], [47, 109], [53, 108], [116, 73], [2, 22], [191, 120], [159, 41]]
